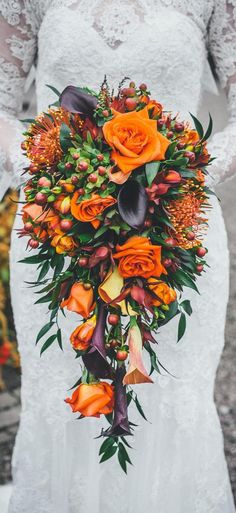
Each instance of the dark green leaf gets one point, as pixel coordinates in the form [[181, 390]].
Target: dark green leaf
[[53, 89], [106, 444], [186, 305], [44, 270], [48, 343], [139, 408], [59, 340], [34, 259], [109, 453], [44, 330], [151, 170], [181, 326], [124, 453], [209, 129], [198, 126], [65, 139]]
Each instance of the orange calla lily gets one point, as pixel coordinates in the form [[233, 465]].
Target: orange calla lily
[[82, 335], [136, 372], [93, 399], [111, 288], [80, 300]]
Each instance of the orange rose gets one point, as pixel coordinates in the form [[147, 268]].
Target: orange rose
[[63, 243], [135, 140], [80, 300], [87, 211], [164, 293], [82, 335], [139, 257], [93, 399]]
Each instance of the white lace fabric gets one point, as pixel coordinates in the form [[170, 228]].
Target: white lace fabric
[[179, 462]]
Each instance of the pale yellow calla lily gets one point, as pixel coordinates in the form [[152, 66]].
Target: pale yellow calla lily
[[136, 372], [111, 288]]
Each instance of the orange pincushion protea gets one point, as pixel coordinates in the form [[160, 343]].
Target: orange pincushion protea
[[186, 215], [43, 144]]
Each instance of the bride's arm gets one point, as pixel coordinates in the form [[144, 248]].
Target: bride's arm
[[222, 46], [17, 52]]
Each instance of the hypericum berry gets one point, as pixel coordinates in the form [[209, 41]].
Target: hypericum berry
[[130, 103], [169, 134], [160, 123], [121, 355], [114, 343], [102, 170], [190, 236], [33, 169], [74, 179], [131, 91], [151, 210], [201, 252], [148, 223], [83, 261], [113, 319], [66, 225], [87, 286], [170, 241], [103, 187], [40, 198], [143, 87], [189, 155], [44, 182], [199, 268], [167, 262], [105, 113], [83, 166], [179, 127], [81, 191], [100, 157], [28, 227], [92, 178], [33, 243], [69, 165], [102, 252], [75, 156], [181, 146]]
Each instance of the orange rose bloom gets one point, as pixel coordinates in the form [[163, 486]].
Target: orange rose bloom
[[139, 257], [93, 399], [82, 335], [166, 294], [80, 300], [87, 211], [135, 139], [63, 243]]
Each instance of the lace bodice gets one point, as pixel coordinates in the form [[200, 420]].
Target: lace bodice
[[130, 37]]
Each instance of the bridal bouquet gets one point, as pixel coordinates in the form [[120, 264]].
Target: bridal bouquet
[[116, 208]]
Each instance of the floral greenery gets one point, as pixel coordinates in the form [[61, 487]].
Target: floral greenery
[[116, 208]]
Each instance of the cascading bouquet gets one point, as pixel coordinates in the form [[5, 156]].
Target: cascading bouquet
[[116, 208]]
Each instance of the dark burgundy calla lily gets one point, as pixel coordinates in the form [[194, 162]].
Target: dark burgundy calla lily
[[133, 203], [76, 100], [120, 425], [95, 360]]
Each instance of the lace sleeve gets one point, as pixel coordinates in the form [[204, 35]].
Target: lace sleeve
[[222, 47], [17, 51]]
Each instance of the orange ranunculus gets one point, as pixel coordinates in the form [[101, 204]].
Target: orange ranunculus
[[189, 137], [87, 211], [139, 257], [63, 243], [134, 139], [93, 399], [155, 108], [82, 335], [80, 300], [164, 293], [62, 204]]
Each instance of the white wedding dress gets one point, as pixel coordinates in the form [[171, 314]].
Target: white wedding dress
[[179, 464]]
